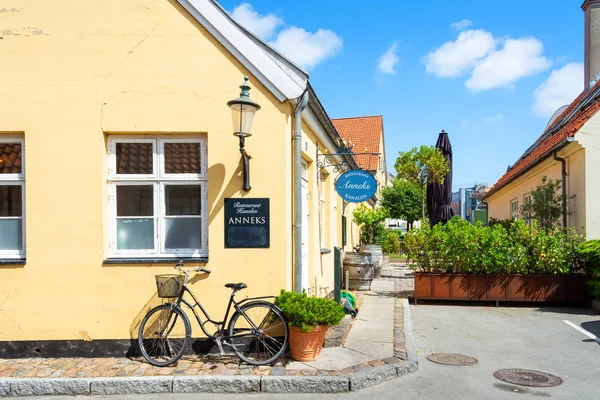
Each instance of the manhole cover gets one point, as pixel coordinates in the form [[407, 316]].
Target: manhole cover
[[451, 359], [526, 377]]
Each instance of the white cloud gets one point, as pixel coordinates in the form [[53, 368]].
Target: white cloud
[[561, 88], [517, 59], [458, 57], [305, 48], [389, 60], [461, 25], [493, 119], [263, 26]]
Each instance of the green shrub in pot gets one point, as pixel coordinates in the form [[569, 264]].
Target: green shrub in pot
[[306, 312]]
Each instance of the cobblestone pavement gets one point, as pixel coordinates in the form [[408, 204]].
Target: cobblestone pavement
[[196, 365]]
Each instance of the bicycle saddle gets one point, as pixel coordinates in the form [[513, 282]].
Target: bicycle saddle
[[236, 286]]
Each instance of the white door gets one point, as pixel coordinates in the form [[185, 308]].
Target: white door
[[305, 195]]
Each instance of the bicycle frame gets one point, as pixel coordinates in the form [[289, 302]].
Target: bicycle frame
[[219, 324]]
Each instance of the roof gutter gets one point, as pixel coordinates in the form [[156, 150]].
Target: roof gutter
[[554, 149], [300, 106]]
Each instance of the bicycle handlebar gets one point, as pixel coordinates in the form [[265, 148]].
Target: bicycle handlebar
[[179, 266]]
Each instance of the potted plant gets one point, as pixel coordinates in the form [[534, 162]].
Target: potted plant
[[371, 226], [463, 261], [308, 319]]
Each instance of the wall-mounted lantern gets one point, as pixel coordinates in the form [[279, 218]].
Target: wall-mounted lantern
[[242, 111]]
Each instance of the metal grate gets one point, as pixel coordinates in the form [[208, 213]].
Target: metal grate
[[526, 377], [451, 359]]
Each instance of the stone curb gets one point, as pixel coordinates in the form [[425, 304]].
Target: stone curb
[[409, 340], [216, 384], [304, 384], [131, 385]]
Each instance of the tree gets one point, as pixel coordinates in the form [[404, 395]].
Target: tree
[[546, 204], [369, 219], [420, 166], [403, 201]]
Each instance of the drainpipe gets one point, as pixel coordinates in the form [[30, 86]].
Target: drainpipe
[[301, 105], [564, 187]]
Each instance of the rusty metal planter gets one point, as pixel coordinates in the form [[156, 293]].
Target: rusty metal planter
[[526, 288]]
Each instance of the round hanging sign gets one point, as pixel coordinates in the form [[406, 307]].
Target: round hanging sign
[[356, 186]]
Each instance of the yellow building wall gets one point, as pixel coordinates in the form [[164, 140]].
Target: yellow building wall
[[499, 202], [124, 67]]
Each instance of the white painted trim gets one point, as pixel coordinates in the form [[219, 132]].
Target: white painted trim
[[16, 180], [244, 49], [309, 117], [580, 329]]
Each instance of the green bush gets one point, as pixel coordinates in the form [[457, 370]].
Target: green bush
[[389, 241], [590, 251], [460, 247], [306, 312]]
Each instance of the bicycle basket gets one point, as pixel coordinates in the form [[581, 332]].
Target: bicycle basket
[[169, 285]]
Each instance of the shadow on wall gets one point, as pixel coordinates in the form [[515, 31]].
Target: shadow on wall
[[155, 301], [216, 173]]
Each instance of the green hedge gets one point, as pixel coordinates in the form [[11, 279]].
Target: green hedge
[[590, 251], [460, 247]]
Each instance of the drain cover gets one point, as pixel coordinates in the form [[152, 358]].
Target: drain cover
[[526, 377], [451, 359]]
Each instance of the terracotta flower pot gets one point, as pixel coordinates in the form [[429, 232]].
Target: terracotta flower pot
[[306, 346]]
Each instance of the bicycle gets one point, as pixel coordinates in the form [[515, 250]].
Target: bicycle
[[257, 332]]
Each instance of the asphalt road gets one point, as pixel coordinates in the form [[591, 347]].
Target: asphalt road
[[526, 338]]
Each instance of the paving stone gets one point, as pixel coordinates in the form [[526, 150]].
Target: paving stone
[[278, 371], [4, 387], [304, 384], [49, 387], [132, 385], [216, 384], [372, 377]]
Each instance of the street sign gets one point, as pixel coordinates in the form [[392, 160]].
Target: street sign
[[356, 186]]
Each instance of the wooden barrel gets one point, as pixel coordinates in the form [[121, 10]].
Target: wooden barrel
[[376, 255], [360, 270]]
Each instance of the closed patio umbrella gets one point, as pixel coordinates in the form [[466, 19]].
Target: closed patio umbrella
[[439, 195]]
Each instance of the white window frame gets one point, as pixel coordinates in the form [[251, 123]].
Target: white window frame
[[158, 180], [514, 215], [527, 199], [15, 180]]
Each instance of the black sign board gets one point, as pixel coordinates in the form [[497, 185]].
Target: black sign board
[[247, 223]]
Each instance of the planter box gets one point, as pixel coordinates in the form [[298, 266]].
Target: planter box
[[526, 288]]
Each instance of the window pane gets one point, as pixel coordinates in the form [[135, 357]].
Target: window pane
[[11, 201], [134, 158], [182, 199], [11, 234], [135, 201], [134, 234], [183, 233], [182, 158], [10, 158]]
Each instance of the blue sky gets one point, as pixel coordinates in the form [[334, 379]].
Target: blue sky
[[489, 73]]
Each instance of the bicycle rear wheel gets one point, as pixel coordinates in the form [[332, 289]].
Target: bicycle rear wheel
[[164, 335], [259, 335]]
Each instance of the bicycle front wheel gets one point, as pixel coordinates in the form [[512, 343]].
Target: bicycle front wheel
[[259, 335], [164, 335]]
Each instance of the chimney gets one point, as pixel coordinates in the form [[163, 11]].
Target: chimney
[[591, 8]]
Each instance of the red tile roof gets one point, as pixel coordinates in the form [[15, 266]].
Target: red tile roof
[[365, 135], [544, 145]]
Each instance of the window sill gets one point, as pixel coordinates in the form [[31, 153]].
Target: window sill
[[325, 251], [8, 261], [155, 260]]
